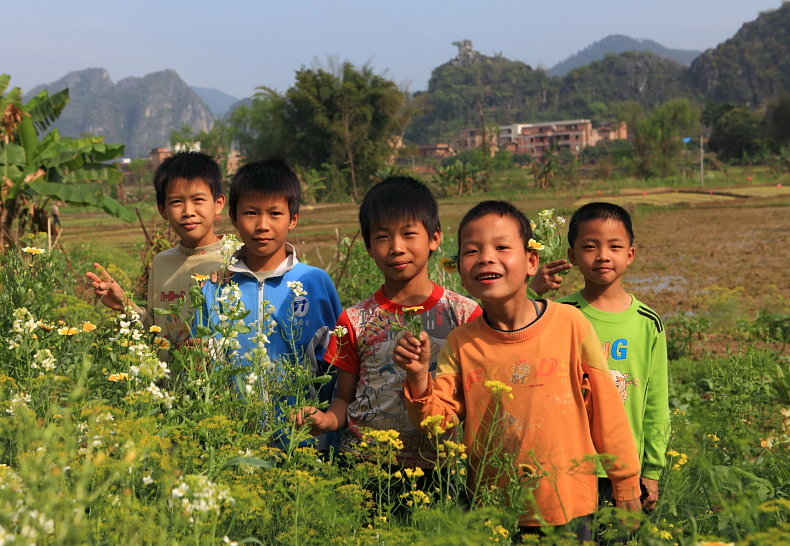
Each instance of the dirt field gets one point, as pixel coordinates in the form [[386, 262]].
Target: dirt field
[[689, 245]]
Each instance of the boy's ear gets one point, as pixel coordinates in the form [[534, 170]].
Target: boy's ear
[[161, 210], [436, 240], [571, 256], [631, 255], [294, 221], [533, 262], [219, 204]]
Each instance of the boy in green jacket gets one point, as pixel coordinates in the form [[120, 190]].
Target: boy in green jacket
[[601, 240]]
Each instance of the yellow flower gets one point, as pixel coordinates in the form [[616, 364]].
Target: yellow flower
[[666, 535], [88, 326], [161, 342], [155, 329], [45, 326], [497, 387], [713, 437], [118, 377], [200, 278], [449, 265], [67, 331], [534, 245], [32, 250], [414, 309]]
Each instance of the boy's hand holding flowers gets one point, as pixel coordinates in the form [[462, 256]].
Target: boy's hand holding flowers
[[413, 355]]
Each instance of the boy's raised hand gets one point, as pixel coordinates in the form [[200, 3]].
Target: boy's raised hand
[[105, 287], [548, 276], [649, 502], [413, 355]]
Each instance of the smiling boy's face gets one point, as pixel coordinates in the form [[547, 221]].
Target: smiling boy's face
[[493, 263], [190, 209], [602, 251], [263, 223], [401, 250]]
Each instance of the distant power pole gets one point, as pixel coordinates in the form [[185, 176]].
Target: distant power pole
[[701, 163]]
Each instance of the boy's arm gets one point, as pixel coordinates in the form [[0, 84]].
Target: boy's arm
[[609, 427], [425, 396], [334, 418], [656, 426], [112, 295]]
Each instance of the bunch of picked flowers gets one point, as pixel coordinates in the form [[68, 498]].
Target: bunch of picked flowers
[[548, 239]]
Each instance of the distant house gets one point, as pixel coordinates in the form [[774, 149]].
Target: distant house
[[469, 139], [158, 155], [571, 135], [437, 150]]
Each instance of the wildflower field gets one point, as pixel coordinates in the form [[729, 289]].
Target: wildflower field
[[101, 443]]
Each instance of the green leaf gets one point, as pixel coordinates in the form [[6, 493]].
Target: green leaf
[[85, 194], [249, 461]]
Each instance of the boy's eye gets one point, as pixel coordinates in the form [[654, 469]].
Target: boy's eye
[[470, 251], [502, 247]]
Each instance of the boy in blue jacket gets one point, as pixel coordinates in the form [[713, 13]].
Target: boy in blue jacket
[[295, 305]]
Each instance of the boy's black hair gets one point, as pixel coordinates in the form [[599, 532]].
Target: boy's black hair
[[599, 211], [190, 166], [399, 199], [269, 178], [500, 208]]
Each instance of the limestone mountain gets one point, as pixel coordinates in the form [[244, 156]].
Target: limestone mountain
[[750, 68], [137, 112], [618, 43]]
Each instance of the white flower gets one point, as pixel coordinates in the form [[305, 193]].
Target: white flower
[[148, 480], [297, 288], [561, 220], [340, 331]]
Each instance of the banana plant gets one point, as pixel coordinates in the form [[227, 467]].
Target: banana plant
[[36, 165]]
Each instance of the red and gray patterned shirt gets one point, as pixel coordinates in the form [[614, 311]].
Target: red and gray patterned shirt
[[367, 350]]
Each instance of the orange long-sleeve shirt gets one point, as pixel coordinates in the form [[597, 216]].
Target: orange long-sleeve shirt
[[564, 408]]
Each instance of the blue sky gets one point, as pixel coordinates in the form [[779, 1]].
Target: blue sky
[[237, 46]]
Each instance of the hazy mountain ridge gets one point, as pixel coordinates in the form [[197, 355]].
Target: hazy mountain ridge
[[219, 102], [616, 44], [750, 68], [138, 112]]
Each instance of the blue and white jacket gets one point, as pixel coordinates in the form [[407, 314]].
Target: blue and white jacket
[[314, 314]]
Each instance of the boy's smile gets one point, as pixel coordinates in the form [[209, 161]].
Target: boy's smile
[[602, 251], [493, 264], [190, 210], [401, 251], [263, 223]]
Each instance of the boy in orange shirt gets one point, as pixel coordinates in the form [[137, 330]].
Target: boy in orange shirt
[[564, 406]]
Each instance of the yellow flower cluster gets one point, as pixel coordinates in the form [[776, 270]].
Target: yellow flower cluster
[[118, 377], [713, 437], [498, 387], [682, 458], [67, 331], [415, 498], [433, 425], [410, 473], [386, 437], [448, 448], [449, 265], [497, 531]]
